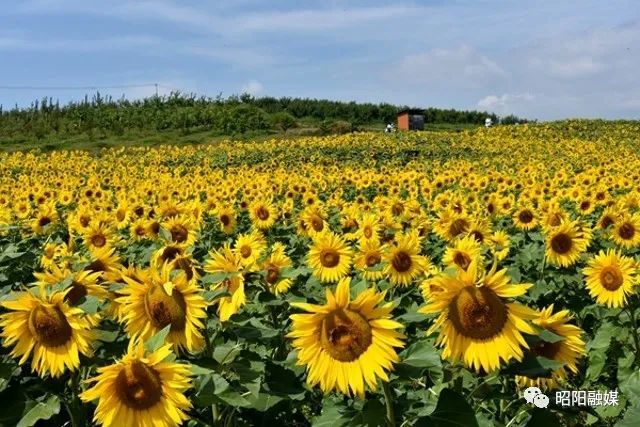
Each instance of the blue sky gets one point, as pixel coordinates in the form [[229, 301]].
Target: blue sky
[[537, 59]]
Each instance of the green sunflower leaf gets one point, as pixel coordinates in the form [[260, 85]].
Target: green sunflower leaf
[[42, 411], [156, 341]]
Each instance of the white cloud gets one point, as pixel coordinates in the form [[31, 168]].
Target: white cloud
[[252, 87], [463, 66], [504, 102]]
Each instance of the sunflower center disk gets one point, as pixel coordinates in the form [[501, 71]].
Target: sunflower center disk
[[262, 213], [606, 222], [170, 253], [84, 220], [44, 221], [345, 335], [185, 265], [372, 260], [401, 261], [164, 309], [478, 236], [139, 386], [368, 232], [546, 349], [461, 260], [179, 234], [224, 219], [611, 278], [97, 266], [329, 258], [273, 273], [245, 251], [555, 220], [525, 217], [458, 227], [98, 240], [561, 243], [478, 313], [154, 227], [76, 292], [627, 231], [49, 326], [317, 224]]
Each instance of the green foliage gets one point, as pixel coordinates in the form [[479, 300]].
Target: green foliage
[[283, 121], [99, 117]]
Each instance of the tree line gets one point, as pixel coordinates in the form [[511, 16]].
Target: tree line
[[104, 115]]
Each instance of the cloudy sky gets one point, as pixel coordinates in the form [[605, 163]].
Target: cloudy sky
[[545, 60]]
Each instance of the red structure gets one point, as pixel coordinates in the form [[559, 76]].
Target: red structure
[[410, 120]]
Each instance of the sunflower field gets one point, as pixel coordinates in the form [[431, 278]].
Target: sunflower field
[[412, 279]]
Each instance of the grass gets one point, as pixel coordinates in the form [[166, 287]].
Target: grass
[[179, 137]]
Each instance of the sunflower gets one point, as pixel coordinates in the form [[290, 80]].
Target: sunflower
[[45, 218], [476, 322], [167, 254], [566, 351], [122, 215], [329, 257], [479, 229], [626, 231], [182, 229], [564, 244], [47, 328], [188, 264], [138, 229], [225, 260], [462, 254], [83, 283], [227, 219], [610, 278], [168, 208], [346, 344], [99, 235], [117, 277], [22, 209], [153, 228], [166, 297], [141, 389], [402, 260], [250, 248], [263, 214], [314, 218], [553, 217], [369, 259], [81, 219], [52, 254], [607, 218], [103, 260], [368, 227], [499, 244], [273, 265], [451, 224], [525, 218]]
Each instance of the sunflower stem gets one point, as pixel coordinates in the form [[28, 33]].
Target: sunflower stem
[[73, 406], [388, 400], [214, 414]]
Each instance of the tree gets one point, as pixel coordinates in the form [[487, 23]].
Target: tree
[[283, 121]]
